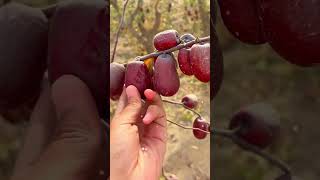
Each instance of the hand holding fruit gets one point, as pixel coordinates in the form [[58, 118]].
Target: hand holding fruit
[[137, 136], [161, 74], [63, 140]]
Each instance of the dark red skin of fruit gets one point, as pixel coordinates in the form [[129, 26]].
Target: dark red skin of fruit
[[166, 40], [190, 100], [117, 76], [165, 77], [187, 38], [293, 29], [200, 61], [184, 61], [137, 74], [242, 20], [202, 124], [23, 47], [258, 125], [77, 46], [217, 67]]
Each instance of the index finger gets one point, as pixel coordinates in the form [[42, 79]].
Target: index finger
[[153, 98]]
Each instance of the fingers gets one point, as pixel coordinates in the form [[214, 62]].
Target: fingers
[[76, 142], [155, 111], [153, 97], [131, 113], [40, 128], [123, 101]]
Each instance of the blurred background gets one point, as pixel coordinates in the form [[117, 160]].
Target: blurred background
[[14, 122], [187, 157], [257, 74]]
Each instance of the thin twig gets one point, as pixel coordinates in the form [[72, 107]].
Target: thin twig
[[178, 47], [187, 127], [181, 104], [119, 30], [231, 134]]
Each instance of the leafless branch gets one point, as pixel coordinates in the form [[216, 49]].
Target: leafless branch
[[119, 30], [249, 147], [157, 20], [180, 46]]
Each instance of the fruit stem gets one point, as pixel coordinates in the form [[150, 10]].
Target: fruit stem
[[187, 127], [231, 134], [178, 47], [119, 30], [181, 104]]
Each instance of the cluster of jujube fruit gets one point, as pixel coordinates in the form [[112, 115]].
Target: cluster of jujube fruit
[[292, 28], [72, 41], [162, 75]]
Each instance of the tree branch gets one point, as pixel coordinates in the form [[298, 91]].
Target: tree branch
[[180, 46], [134, 14], [232, 135], [181, 104], [249, 147], [157, 20], [119, 30]]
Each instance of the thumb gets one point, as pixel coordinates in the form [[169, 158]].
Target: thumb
[[77, 141], [132, 111]]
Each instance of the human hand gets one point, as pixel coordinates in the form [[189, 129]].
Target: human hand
[[64, 139], [137, 137]]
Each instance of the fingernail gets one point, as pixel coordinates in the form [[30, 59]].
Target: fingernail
[[150, 94]]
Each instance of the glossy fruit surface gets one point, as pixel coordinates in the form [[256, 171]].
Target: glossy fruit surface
[[117, 76], [293, 29], [242, 20], [23, 47], [77, 46], [165, 77], [137, 74], [190, 100], [166, 40], [202, 124], [200, 61], [217, 67], [259, 124], [187, 38], [184, 61]]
